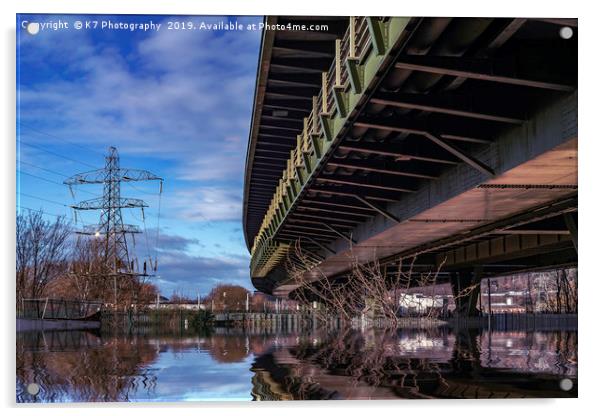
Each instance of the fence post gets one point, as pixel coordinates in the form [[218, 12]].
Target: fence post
[[44, 311]]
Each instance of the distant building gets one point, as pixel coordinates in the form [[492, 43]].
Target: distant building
[[506, 302], [164, 303], [419, 303]]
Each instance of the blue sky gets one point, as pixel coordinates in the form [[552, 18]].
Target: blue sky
[[177, 103]]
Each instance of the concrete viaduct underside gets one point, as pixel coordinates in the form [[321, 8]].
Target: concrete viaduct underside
[[446, 143]]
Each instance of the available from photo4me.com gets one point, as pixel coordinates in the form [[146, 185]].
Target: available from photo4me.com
[[217, 208]]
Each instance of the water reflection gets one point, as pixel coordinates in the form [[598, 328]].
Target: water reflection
[[231, 364]]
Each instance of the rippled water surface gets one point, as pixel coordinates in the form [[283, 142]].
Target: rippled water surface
[[230, 364]]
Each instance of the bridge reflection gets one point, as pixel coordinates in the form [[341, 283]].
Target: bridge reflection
[[263, 365], [433, 363]]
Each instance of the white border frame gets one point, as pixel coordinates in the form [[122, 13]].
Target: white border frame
[[590, 290]]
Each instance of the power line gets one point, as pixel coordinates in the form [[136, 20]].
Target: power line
[[42, 212], [67, 219], [51, 181], [57, 154], [156, 244], [143, 220], [43, 199], [158, 223], [62, 175], [54, 136], [38, 177], [51, 202], [141, 190], [75, 219]]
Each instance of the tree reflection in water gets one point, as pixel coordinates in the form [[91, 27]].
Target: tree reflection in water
[[348, 364], [80, 366], [428, 363]]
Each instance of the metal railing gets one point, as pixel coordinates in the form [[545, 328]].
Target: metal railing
[[356, 44], [46, 308]]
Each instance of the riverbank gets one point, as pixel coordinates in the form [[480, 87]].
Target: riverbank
[[184, 319], [518, 322]]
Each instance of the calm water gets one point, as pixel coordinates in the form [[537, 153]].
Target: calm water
[[352, 364]]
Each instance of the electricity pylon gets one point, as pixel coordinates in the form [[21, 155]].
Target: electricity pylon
[[111, 227]]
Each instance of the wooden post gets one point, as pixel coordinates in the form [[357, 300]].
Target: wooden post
[[352, 37], [337, 67], [44, 311], [324, 92], [489, 302], [480, 301]]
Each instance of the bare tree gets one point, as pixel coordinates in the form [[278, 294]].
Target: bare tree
[[563, 284], [41, 253], [368, 288], [88, 277]]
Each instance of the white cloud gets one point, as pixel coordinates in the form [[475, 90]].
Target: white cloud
[[182, 271], [208, 204], [184, 97], [176, 94]]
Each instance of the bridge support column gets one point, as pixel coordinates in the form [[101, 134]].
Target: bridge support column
[[466, 287]]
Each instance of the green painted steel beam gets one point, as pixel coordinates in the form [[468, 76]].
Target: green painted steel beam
[[377, 34], [360, 74]]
